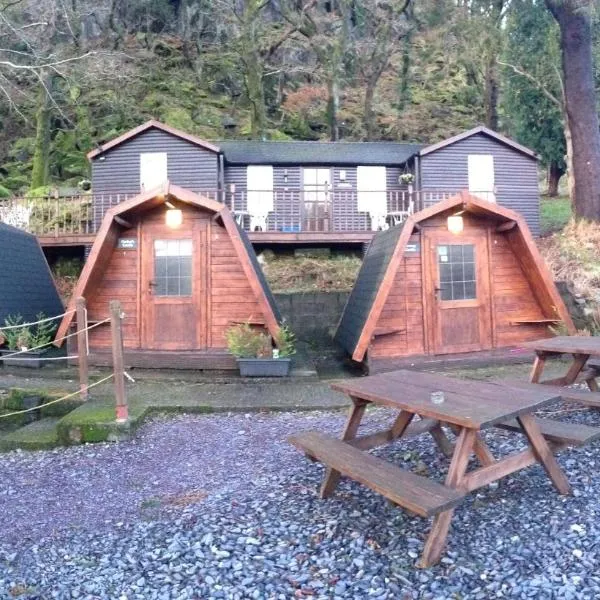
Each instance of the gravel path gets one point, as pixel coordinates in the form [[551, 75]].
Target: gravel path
[[222, 507]]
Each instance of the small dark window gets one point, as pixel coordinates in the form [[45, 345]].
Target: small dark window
[[173, 267], [456, 264]]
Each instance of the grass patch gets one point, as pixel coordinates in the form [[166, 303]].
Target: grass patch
[[310, 274], [555, 213]]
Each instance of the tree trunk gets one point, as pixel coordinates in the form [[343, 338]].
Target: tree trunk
[[491, 94], [333, 104], [555, 172], [41, 151], [574, 20], [256, 95], [369, 116]]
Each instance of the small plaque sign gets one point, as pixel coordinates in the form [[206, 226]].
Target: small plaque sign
[[127, 243], [412, 247]]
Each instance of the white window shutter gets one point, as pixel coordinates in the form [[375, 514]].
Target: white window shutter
[[481, 176], [259, 184], [371, 190], [153, 170]]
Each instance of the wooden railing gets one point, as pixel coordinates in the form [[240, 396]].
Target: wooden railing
[[293, 210]]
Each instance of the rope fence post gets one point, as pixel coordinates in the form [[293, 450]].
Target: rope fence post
[[116, 316], [82, 356]]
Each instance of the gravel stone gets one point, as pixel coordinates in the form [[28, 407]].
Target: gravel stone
[[190, 509]]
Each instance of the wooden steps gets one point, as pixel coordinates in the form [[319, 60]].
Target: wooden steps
[[570, 434], [413, 492], [582, 396]]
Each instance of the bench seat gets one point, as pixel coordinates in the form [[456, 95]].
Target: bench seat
[[570, 434], [413, 492]]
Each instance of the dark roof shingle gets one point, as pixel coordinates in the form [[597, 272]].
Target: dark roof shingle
[[318, 153], [26, 284], [364, 292]]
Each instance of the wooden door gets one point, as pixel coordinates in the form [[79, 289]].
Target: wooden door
[[458, 292], [173, 290]]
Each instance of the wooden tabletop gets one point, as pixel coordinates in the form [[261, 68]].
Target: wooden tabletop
[[471, 404], [567, 344]]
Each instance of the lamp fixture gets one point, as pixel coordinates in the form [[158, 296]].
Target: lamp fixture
[[173, 216], [455, 224]]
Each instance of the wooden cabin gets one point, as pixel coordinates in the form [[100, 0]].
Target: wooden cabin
[[183, 272], [461, 276]]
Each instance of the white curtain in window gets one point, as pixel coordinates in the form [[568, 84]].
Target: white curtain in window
[[153, 170], [481, 176], [259, 183], [371, 190]]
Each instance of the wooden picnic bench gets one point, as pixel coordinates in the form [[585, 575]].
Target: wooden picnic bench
[[468, 407]]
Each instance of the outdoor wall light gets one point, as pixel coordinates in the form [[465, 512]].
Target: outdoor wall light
[[173, 216], [455, 224]]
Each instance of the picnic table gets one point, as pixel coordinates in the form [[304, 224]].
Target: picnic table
[[468, 407], [581, 349]]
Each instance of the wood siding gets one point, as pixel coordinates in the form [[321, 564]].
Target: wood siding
[[117, 171], [515, 174], [229, 296], [402, 328]]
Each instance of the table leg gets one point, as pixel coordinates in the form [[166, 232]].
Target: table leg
[[436, 540], [441, 440], [332, 477], [544, 453], [576, 367], [482, 452], [538, 367]]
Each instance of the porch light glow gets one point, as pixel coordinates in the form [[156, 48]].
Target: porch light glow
[[173, 218], [455, 223]]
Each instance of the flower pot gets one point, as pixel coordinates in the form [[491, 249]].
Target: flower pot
[[31, 360], [264, 367]]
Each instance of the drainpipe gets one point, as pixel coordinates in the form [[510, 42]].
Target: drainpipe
[[417, 165], [221, 179]]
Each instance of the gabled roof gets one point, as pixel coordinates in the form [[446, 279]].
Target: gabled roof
[[245, 152], [144, 127], [483, 130], [108, 234], [26, 284], [386, 251]]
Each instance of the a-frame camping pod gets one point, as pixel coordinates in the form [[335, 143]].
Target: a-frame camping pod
[[180, 284], [424, 290]]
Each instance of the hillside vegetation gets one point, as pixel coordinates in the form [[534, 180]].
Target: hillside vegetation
[[75, 74]]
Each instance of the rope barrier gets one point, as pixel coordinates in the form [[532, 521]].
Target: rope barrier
[[52, 342], [19, 326], [88, 387]]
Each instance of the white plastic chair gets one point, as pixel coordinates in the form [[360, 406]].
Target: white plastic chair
[[258, 222]]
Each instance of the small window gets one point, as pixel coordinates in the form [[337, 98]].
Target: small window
[[456, 263], [173, 267], [153, 170]]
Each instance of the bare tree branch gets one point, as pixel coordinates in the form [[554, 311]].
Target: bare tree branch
[[536, 82]]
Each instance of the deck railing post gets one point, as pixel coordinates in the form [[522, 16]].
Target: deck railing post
[[82, 348], [116, 326]]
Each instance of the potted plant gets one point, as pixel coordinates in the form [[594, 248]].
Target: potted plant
[[18, 337], [256, 356]]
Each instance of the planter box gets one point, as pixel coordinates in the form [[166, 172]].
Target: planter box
[[29, 359], [264, 367]]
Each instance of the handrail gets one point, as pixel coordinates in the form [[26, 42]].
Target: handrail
[[287, 209]]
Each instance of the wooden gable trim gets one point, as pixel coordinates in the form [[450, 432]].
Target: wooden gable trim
[[149, 125], [485, 131], [231, 228], [388, 281], [96, 262]]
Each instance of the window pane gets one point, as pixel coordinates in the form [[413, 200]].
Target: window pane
[[160, 269], [172, 286], [185, 248], [456, 263], [160, 289], [185, 266], [185, 286]]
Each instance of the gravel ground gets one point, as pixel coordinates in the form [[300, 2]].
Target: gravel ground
[[223, 507]]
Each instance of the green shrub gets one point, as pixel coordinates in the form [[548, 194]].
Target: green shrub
[[245, 341], [27, 336], [286, 341]]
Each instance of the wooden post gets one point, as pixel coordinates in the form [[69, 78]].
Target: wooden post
[[122, 411], [82, 356]]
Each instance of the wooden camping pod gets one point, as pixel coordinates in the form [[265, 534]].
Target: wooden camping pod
[[423, 290], [180, 287]]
